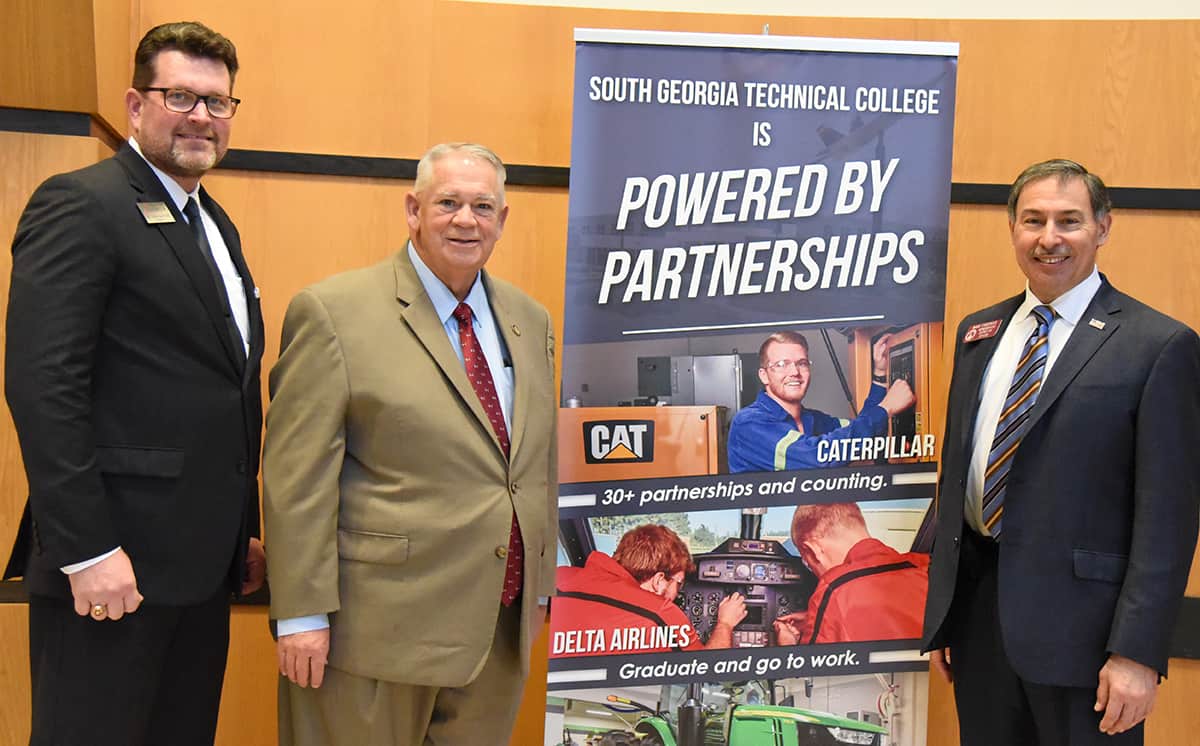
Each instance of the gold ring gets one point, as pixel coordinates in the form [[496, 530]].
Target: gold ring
[[99, 611]]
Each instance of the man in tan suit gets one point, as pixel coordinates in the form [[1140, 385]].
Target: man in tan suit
[[410, 485]]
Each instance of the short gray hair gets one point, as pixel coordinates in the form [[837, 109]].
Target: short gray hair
[[440, 151], [1064, 170]]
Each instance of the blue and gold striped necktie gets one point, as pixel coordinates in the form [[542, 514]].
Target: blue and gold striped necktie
[[1027, 381]]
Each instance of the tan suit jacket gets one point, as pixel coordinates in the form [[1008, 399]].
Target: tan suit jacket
[[387, 498]]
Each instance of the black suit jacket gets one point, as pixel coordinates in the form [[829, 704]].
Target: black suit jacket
[[1100, 512], [139, 415]]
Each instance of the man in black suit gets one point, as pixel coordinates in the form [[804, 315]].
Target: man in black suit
[[1067, 510], [133, 353]]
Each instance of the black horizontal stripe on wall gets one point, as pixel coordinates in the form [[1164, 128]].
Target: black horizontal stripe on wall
[[43, 122], [1128, 198], [46, 122], [372, 167], [369, 167]]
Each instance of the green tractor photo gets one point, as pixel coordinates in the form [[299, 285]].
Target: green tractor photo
[[741, 714]]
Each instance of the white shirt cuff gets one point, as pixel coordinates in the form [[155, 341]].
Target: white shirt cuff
[[299, 624], [72, 569]]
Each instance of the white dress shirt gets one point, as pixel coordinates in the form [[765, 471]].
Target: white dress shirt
[[997, 378]]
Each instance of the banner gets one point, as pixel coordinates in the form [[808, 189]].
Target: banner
[[755, 286]]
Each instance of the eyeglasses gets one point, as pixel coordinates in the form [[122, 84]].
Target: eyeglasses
[[182, 101], [781, 365]]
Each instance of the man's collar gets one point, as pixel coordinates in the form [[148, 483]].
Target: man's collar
[[778, 410], [444, 301], [176, 192], [1070, 305]]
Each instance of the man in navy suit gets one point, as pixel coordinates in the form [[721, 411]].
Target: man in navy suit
[[132, 372], [1067, 513]]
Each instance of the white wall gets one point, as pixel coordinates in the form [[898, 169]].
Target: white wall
[[1014, 9]]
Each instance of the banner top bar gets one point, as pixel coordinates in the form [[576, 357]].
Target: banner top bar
[[766, 41]]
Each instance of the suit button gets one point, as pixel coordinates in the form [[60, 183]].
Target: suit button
[[956, 540], [241, 467], [501, 552], [513, 487]]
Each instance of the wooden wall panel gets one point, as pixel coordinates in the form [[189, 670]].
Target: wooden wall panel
[[392, 78], [117, 30], [251, 677], [300, 229], [350, 79], [384, 78], [14, 674], [531, 718], [1176, 719], [46, 53], [1112, 95]]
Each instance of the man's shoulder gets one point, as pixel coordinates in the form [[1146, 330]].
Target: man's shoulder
[[868, 557], [512, 298], [349, 284], [347, 299], [99, 178], [996, 312], [1147, 317], [570, 578], [761, 409]]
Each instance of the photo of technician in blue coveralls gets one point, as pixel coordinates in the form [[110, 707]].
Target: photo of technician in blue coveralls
[[777, 432]]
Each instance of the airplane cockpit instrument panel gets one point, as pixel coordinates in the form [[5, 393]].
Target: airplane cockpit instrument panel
[[773, 581]]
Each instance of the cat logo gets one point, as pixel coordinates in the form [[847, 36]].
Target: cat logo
[[618, 441]]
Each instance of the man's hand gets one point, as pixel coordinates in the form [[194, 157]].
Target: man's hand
[[789, 627], [256, 567], [109, 583], [879, 355], [898, 398], [732, 610], [940, 658], [1125, 694], [302, 657]]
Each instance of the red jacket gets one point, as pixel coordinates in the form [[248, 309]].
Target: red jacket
[[600, 610], [876, 594]]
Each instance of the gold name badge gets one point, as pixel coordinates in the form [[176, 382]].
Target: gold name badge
[[156, 212]]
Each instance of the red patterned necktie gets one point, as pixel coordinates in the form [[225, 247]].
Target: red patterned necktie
[[480, 376]]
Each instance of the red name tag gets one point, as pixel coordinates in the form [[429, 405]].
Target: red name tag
[[982, 331]]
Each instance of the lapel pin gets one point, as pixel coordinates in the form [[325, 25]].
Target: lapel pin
[[1096, 323], [516, 330], [982, 331], [256, 293], [155, 213]]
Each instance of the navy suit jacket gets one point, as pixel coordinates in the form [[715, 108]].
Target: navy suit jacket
[[138, 413], [1100, 513]]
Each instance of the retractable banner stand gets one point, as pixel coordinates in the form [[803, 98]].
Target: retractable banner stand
[[755, 284]]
